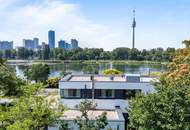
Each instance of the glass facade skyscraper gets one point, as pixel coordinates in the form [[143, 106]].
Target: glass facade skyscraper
[[51, 39], [31, 44], [62, 44], [74, 43], [6, 45]]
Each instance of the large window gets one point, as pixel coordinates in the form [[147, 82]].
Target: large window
[[70, 93], [132, 93], [102, 93], [86, 93]]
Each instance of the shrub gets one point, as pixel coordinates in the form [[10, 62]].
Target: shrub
[[52, 82], [112, 72]]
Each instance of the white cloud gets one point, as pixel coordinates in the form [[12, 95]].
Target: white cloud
[[25, 19], [34, 20]]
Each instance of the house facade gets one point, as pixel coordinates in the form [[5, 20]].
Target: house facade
[[110, 94]]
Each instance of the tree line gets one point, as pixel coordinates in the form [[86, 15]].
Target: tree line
[[122, 53], [168, 107]]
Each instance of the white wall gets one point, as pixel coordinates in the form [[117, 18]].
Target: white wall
[[101, 103], [145, 87], [105, 103]]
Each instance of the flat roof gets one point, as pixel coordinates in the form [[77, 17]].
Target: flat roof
[[112, 115], [97, 78], [111, 78]]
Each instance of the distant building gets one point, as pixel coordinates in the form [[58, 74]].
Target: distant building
[[6, 45], [36, 42], [74, 43], [43, 45], [68, 46], [31, 44], [51, 39], [28, 44], [62, 44]]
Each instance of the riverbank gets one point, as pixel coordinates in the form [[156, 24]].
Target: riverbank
[[30, 62]]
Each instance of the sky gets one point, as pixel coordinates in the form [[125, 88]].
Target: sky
[[97, 23]]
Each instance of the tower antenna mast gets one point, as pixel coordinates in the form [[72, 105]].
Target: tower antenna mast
[[133, 26]]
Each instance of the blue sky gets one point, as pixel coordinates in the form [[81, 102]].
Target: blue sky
[[97, 23]]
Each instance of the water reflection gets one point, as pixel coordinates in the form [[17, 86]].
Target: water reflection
[[78, 68]]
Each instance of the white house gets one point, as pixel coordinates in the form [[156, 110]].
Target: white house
[[111, 94]]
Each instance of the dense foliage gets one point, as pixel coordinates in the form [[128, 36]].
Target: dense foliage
[[10, 84], [38, 72], [52, 82], [84, 122], [187, 43], [168, 107], [30, 111], [122, 53], [112, 72]]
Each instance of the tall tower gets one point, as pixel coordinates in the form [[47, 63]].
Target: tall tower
[[133, 26], [51, 39]]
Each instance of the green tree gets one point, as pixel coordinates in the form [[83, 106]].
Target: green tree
[[105, 55], [164, 110], [1, 54], [121, 53], [7, 54], [38, 72], [2, 61], [134, 53], [46, 52], [52, 82], [10, 84], [168, 107], [31, 111], [187, 43], [23, 53], [84, 122]]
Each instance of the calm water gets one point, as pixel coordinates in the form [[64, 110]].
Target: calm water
[[76, 68]]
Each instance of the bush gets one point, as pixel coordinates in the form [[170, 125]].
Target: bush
[[112, 72], [52, 82], [155, 73]]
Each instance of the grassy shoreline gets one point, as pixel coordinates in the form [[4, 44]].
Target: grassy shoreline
[[26, 62]]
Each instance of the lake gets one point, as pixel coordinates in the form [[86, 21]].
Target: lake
[[79, 68]]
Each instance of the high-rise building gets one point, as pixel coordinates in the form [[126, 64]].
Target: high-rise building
[[62, 44], [31, 44], [51, 39], [74, 43], [43, 45], [28, 44], [36, 42], [67, 46], [6, 45]]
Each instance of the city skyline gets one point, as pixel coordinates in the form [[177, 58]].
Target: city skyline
[[100, 24], [35, 45]]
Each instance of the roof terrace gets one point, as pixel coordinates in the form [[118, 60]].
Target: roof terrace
[[109, 78]]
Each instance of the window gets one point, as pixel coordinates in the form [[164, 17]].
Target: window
[[132, 93], [86, 93], [108, 93], [70, 93], [102, 93]]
